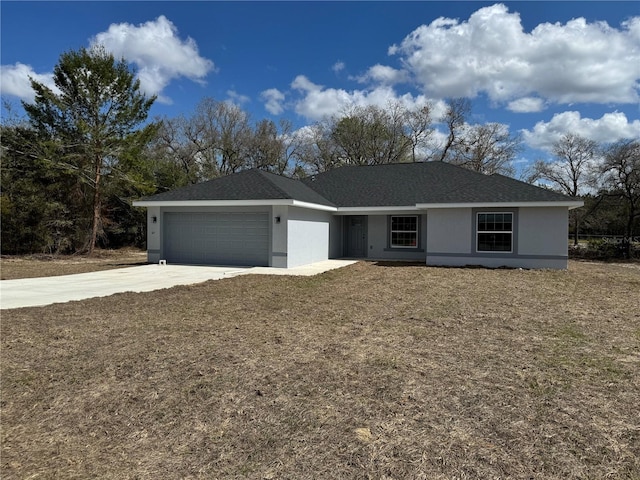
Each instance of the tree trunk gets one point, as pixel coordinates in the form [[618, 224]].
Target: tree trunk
[[576, 222], [96, 208], [629, 235]]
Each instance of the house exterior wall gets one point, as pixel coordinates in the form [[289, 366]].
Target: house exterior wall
[[449, 231], [279, 233], [154, 234], [307, 236], [379, 239], [543, 231], [446, 236], [539, 238]]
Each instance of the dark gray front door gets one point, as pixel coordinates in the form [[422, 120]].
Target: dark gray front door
[[356, 236]]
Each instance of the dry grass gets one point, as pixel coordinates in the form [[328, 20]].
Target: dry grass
[[31, 266], [370, 371]]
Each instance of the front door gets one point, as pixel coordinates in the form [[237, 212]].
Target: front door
[[356, 241]]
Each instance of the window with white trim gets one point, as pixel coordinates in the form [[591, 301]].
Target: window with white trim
[[404, 232], [494, 232]]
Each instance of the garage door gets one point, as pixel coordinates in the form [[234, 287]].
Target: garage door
[[217, 238]]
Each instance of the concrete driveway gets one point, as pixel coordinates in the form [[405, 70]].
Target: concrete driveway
[[34, 292]]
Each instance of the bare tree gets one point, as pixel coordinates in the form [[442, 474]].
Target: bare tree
[[361, 136], [290, 147], [457, 111], [371, 136], [419, 126], [488, 149], [228, 133], [531, 172], [270, 148], [174, 145], [316, 152], [621, 168], [215, 141], [571, 170]]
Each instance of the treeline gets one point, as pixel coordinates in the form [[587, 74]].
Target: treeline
[[606, 177], [220, 139], [72, 167]]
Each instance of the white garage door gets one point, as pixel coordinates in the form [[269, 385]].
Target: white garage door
[[217, 238]]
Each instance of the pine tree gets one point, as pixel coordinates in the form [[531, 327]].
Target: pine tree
[[95, 122]]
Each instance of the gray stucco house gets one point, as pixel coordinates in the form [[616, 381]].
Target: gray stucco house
[[432, 212]]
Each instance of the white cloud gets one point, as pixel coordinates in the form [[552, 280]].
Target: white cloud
[[154, 47], [608, 128], [237, 98], [301, 82], [157, 51], [14, 80], [384, 75], [526, 105], [273, 99], [490, 52], [338, 67], [318, 102]]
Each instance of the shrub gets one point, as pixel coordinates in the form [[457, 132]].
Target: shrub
[[603, 249]]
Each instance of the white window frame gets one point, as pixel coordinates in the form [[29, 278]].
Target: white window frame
[[392, 231], [478, 232]]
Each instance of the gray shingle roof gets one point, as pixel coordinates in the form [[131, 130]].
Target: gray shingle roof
[[400, 184], [404, 184], [246, 185]]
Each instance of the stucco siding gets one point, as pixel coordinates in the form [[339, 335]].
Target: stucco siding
[[279, 232], [539, 236], [449, 231], [153, 234], [543, 231], [307, 236]]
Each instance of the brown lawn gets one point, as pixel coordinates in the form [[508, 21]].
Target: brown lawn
[[371, 371], [30, 266]]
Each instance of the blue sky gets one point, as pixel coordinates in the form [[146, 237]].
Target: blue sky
[[542, 68]]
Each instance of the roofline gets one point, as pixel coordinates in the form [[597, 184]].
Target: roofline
[[232, 203], [571, 204], [375, 209]]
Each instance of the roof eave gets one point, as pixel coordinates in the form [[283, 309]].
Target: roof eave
[[233, 203], [376, 209], [571, 204]]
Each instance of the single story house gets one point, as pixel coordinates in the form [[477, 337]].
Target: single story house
[[431, 212]]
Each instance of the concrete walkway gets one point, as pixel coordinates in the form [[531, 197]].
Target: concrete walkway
[[306, 270], [33, 292]]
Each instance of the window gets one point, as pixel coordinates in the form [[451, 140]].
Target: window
[[404, 232], [495, 232]]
